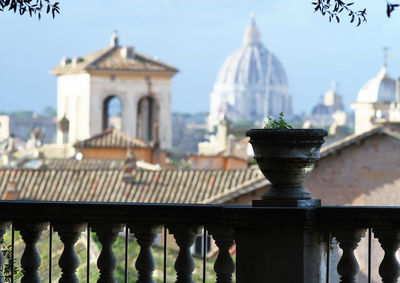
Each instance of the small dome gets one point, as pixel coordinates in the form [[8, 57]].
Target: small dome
[[381, 88], [252, 63], [321, 109]]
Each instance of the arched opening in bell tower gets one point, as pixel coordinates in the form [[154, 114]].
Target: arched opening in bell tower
[[112, 113], [147, 120]]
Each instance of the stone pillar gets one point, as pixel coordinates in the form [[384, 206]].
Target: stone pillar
[[184, 264], [389, 238], [129, 111], [107, 262], [69, 234], [224, 265], [281, 253], [348, 239], [145, 262], [30, 260]]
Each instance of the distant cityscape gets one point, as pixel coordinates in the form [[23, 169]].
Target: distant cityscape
[[114, 140], [250, 87]]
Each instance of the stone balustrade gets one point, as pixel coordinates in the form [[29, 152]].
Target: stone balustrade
[[272, 244]]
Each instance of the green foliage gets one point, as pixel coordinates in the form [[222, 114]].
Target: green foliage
[[158, 254], [347, 130], [33, 7], [43, 247], [278, 124], [49, 112], [242, 124], [180, 163], [119, 250], [252, 162], [191, 118], [333, 8], [187, 131], [6, 249], [21, 113]]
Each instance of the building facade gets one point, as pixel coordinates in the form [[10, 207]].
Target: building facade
[[251, 84], [376, 102], [4, 127], [87, 86]]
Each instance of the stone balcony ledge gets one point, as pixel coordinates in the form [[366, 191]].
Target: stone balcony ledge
[[268, 240]]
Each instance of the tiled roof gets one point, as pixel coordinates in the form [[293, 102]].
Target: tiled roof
[[165, 186], [86, 163], [111, 138], [354, 139], [110, 59]]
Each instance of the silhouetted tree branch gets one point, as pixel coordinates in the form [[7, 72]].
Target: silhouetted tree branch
[[333, 8], [32, 7], [390, 8]]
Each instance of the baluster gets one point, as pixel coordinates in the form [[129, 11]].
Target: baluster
[[3, 228], [348, 241], [184, 264], [30, 260], [389, 238], [107, 262], [145, 263], [69, 234], [224, 265]]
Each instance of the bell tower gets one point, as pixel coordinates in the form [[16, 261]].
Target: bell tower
[[115, 87]]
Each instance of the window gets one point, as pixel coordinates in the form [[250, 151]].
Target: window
[[112, 113]]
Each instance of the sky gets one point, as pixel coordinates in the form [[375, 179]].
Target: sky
[[196, 36]]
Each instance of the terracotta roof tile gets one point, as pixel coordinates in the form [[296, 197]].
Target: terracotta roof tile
[[110, 59], [86, 163], [356, 138], [165, 186], [111, 138]]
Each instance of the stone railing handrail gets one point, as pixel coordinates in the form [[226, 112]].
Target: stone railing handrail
[[269, 241], [236, 215]]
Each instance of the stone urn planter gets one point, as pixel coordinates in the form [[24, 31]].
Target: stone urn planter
[[286, 157]]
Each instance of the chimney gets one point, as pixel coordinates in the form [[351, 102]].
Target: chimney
[[130, 164], [128, 175], [11, 193], [75, 60], [64, 61], [127, 52]]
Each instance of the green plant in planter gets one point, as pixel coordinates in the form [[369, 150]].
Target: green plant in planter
[[277, 124], [286, 156]]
